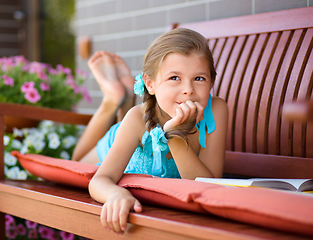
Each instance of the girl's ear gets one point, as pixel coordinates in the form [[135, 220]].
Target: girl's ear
[[149, 84]]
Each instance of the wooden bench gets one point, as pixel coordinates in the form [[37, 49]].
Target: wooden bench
[[263, 61]]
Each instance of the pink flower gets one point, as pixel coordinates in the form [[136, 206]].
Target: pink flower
[[44, 86], [53, 71], [20, 59], [9, 222], [32, 234], [86, 95], [67, 236], [11, 233], [36, 67], [42, 76], [45, 232], [63, 69], [32, 95], [54, 236], [27, 86], [81, 72], [30, 224], [21, 229], [8, 80]]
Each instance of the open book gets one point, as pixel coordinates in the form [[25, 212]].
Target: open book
[[297, 185]]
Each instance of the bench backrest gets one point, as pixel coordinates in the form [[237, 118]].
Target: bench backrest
[[262, 62]]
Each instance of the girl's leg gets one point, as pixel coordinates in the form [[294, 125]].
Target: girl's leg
[[125, 77], [103, 67]]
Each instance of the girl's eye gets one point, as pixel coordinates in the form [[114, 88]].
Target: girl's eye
[[174, 78], [199, 79]]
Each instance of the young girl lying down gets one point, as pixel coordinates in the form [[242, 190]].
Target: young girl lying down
[[179, 130]]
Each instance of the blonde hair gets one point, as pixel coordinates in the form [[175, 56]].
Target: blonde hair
[[182, 41]]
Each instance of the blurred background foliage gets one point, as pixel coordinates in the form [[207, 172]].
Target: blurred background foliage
[[58, 32]]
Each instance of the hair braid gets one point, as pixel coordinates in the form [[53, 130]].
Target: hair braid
[[149, 116]]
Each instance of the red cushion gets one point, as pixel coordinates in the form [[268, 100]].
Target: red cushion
[[280, 210], [57, 170], [286, 211]]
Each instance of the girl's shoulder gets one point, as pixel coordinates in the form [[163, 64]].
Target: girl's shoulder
[[219, 106], [134, 117]]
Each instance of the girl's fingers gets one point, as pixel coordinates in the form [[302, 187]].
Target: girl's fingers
[[116, 219], [175, 120], [186, 111], [193, 108], [200, 110], [103, 218]]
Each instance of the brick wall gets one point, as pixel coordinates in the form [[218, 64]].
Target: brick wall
[[127, 27]]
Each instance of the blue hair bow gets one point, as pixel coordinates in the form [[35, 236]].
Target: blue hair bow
[[139, 85]]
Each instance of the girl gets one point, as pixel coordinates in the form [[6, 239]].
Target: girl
[[172, 134]]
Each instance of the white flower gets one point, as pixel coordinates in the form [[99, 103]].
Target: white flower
[[24, 149], [16, 144], [12, 173], [17, 133], [39, 145], [53, 135], [61, 129], [54, 143], [25, 131], [21, 175], [65, 155], [46, 124], [28, 141], [38, 136], [68, 141], [9, 159], [6, 140]]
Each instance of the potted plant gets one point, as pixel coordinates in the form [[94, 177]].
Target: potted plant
[[38, 84]]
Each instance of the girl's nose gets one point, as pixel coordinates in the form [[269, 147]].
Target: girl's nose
[[188, 88]]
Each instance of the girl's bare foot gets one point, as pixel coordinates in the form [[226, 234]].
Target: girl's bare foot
[[103, 68], [124, 74]]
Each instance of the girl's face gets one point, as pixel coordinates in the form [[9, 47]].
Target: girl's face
[[180, 78]]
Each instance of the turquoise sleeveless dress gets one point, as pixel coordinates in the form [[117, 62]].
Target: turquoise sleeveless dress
[[144, 158]]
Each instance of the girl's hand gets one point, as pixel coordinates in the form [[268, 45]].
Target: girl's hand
[[115, 211], [184, 112]]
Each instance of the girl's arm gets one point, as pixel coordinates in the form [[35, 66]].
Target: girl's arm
[[118, 201], [210, 161]]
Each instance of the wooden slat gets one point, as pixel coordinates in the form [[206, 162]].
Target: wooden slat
[[41, 113], [235, 91], [255, 24], [258, 83], [267, 166], [279, 92], [267, 93], [228, 78], [256, 42], [291, 135]]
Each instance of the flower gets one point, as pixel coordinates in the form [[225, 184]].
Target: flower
[[32, 95], [39, 84], [139, 85], [21, 229], [30, 224], [27, 86], [8, 80], [67, 236], [44, 86]]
